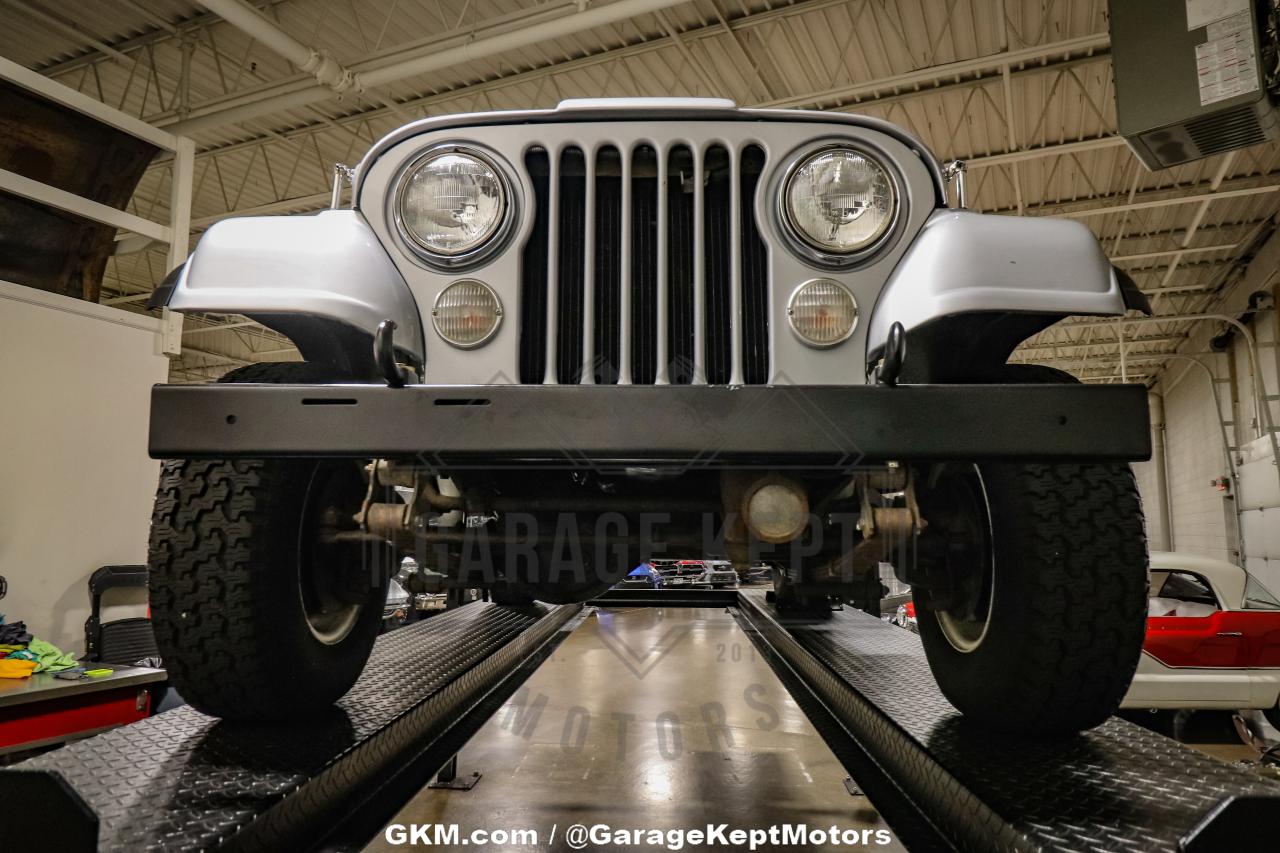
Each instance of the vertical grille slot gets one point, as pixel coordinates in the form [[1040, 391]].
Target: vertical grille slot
[[680, 265], [755, 273], [717, 263], [533, 273], [644, 265], [608, 266], [570, 265]]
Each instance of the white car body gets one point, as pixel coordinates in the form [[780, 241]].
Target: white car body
[[719, 574], [1198, 655]]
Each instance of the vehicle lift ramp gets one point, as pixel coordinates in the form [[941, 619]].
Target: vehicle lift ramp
[[1117, 787], [184, 781]]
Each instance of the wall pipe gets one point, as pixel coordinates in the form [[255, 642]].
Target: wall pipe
[[1258, 390], [327, 71], [585, 18], [1156, 403]]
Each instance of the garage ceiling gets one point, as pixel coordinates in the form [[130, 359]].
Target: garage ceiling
[[1020, 89]]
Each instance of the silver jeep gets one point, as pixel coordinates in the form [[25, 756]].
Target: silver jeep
[[542, 346]]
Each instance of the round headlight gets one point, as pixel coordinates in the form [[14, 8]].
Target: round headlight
[[839, 200], [467, 313], [451, 203], [822, 312]]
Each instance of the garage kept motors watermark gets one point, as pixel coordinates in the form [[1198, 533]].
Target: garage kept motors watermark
[[603, 836]]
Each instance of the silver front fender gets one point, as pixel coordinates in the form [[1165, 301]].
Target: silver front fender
[[303, 275], [970, 263]]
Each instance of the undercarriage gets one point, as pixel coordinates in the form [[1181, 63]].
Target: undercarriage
[[565, 536]]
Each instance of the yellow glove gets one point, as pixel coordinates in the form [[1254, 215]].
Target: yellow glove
[[16, 668]]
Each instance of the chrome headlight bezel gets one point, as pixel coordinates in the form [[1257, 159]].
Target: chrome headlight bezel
[[466, 258], [800, 242]]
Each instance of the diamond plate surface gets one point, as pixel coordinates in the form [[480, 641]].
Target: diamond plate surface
[[911, 825], [183, 780], [1118, 787]]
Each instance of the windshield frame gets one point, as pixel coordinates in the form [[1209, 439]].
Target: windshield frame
[[1253, 601]]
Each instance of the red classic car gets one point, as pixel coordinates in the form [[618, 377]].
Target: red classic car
[[1213, 639]]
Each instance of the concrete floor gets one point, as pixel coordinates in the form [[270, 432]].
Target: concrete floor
[[646, 718]]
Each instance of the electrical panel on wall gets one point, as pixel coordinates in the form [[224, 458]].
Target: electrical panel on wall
[[1194, 78]]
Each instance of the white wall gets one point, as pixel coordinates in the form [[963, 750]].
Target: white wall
[[1199, 513], [1145, 474], [1259, 484], [76, 485]]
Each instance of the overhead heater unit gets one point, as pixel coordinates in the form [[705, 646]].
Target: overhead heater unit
[[1194, 77]]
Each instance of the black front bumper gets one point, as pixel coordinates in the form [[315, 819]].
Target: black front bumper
[[692, 426]]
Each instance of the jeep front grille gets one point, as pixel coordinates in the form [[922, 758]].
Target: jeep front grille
[[611, 287]]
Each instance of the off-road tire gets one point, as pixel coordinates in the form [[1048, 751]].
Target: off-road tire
[[1068, 611], [225, 597]]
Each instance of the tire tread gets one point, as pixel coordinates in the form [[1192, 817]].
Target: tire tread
[[216, 539]]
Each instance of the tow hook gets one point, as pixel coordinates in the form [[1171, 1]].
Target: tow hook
[[384, 354], [895, 353]]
